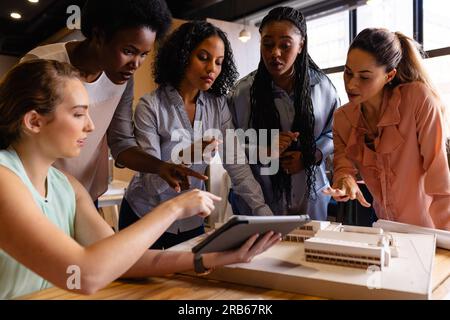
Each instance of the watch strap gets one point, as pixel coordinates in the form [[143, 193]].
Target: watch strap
[[199, 267]]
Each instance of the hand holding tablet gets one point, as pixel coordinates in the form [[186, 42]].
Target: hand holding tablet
[[239, 229]]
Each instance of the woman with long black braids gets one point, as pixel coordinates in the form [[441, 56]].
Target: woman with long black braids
[[290, 93]]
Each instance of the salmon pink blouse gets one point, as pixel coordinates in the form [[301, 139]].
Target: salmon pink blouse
[[407, 171]]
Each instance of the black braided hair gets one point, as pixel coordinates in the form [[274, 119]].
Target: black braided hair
[[264, 114], [174, 55]]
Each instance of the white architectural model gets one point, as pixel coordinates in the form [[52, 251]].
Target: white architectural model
[[309, 230], [288, 266], [442, 236], [349, 246]]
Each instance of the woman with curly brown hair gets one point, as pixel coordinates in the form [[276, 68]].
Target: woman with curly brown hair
[[194, 69]]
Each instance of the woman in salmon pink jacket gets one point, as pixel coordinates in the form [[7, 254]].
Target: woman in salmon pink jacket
[[392, 132]]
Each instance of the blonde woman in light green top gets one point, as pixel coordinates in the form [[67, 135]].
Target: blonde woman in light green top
[[49, 227]]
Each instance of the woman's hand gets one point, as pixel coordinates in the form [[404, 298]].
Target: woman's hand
[[283, 142], [208, 147], [347, 189], [254, 246], [194, 202], [177, 176], [291, 162]]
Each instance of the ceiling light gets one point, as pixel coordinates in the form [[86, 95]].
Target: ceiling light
[[33, 1], [15, 15], [244, 35]]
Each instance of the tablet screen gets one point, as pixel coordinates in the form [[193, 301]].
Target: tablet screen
[[238, 229]]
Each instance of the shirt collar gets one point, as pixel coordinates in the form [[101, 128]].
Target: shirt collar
[[390, 138], [314, 78], [176, 100]]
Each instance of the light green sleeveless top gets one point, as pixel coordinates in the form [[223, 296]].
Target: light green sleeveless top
[[58, 207]]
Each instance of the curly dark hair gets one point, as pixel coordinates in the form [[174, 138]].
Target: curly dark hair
[[264, 114], [174, 55], [111, 16]]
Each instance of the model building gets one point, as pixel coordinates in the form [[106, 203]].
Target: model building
[[350, 246]]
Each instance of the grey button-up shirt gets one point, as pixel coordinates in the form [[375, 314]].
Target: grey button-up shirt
[[325, 100], [162, 129], [120, 131]]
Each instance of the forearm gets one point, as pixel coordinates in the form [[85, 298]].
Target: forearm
[[243, 180], [136, 159], [159, 263], [245, 184], [324, 147], [109, 258], [155, 263], [342, 165]]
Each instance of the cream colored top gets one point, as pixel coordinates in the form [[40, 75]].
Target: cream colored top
[[91, 166]]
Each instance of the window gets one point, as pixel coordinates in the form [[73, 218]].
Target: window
[[338, 81], [328, 39], [395, 15], [436, 24], [441, 79], [329, 35]]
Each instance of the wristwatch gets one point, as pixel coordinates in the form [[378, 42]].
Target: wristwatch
[[199, 267]]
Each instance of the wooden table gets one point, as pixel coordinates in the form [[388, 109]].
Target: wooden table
[[185, 287]]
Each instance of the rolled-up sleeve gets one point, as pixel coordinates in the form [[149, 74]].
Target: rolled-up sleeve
[[147, 137], [240, 173], [431, 139], [120, 132], [343, 166]]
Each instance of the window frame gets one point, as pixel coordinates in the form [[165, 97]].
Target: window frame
[[352, 8]]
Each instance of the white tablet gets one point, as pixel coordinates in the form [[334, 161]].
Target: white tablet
[[239, 228]]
